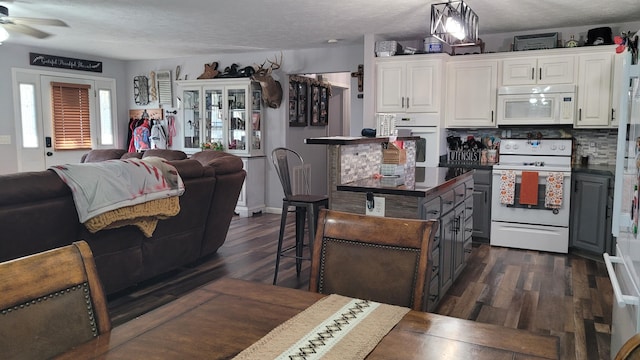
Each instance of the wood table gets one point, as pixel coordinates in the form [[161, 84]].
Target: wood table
[[222, 318]]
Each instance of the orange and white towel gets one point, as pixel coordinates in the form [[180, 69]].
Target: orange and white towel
[[507, 186], [529, 188], [553, 192]]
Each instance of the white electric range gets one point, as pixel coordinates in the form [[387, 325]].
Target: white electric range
[[543, 226]]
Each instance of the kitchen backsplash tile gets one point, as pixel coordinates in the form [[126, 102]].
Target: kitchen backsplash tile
[[363, 160], [598, 144]]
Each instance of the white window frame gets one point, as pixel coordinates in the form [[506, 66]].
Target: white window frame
[[101, 83]]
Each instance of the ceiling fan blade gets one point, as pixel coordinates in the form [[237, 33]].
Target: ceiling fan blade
[[27, 30], [36, 21]]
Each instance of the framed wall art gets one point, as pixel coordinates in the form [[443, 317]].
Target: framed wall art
[[297, 103], [319, 105]]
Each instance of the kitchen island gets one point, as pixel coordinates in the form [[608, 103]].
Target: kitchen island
[[442, 194]]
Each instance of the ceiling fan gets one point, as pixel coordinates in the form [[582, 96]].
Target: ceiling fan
[[22, 25]]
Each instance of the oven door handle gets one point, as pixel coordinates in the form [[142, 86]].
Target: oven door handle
[[621, 300]]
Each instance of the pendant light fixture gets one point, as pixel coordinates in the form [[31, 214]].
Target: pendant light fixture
[[454, 23]]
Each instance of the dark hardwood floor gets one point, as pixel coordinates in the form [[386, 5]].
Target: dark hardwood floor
[[563, 295]]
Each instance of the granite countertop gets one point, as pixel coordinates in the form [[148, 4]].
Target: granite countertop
[[435, 179], [598, 169], [352, 140], [467, 165]]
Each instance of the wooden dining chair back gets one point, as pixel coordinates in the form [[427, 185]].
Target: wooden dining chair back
[[373, 258], [50, 302], [630, 350]]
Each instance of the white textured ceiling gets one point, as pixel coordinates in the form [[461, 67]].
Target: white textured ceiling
[[147, 29]]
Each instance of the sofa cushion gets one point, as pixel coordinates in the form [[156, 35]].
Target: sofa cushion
[[132, 155], [165, 154], [98, 155], [222, 162]]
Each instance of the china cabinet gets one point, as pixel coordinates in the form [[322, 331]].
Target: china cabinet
[[222, 111], [226, 114]]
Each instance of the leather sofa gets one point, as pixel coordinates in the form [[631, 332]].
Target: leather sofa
[[37, 213]]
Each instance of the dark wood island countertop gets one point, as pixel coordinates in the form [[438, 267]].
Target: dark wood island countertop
[[435, 179]]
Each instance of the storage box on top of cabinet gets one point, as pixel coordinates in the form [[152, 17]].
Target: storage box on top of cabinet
[[388, 48]]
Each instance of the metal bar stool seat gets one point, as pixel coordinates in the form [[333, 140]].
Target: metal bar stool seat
[[307, 206]]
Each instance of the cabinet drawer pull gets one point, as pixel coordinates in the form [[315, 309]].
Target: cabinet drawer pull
[[540, 73], [460, 195], [468, 251], [533, 73], [434, 268], [433, 298], [407, 102], [448, 202], [433, 212]]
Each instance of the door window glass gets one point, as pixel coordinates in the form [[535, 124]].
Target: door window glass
[[28, 116]]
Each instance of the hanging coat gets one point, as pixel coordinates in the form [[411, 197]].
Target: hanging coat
[[158, 136]]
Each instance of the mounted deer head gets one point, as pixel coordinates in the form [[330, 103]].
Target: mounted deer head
[[271, 89]]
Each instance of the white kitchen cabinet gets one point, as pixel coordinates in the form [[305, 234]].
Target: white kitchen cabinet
[[251, 199], [616, 80], [594, 90], [543, 70], [471, 93], [408, 86]]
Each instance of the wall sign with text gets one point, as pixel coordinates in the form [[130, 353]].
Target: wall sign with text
[[64, 62]]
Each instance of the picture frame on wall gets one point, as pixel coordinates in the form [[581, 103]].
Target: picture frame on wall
[[319, 105], [297, 104], [315, 106], [323, 117]]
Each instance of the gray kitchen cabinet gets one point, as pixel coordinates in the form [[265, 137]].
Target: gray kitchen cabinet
[[482, 204], [453, 209], [447, 240], [590, 221]]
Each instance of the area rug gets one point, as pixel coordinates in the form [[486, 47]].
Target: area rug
[[335, 327]]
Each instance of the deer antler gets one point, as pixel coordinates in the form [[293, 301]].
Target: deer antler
[[275, 65]]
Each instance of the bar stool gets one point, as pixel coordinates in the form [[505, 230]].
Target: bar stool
[[285, 160]]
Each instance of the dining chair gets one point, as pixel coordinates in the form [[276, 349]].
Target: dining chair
[[296, 194], [630, 350], [381, 259], [51, 301]]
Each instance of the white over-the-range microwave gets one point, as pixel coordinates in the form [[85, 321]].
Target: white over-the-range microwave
[[536, 105]]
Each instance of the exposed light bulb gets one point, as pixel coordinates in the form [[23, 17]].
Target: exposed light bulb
[[4, 35], [455, 28]]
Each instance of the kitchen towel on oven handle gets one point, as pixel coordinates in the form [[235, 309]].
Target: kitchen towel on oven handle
[[529, 188], [507, 186], [553, 192]]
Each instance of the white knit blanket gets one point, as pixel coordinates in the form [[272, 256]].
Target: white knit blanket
[[108, 185]]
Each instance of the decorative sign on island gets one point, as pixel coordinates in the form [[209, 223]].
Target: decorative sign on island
[[64, 62]]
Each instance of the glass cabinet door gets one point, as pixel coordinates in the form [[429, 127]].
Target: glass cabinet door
[[191, 118], [256, 114], [237, 107], [214, 125]]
